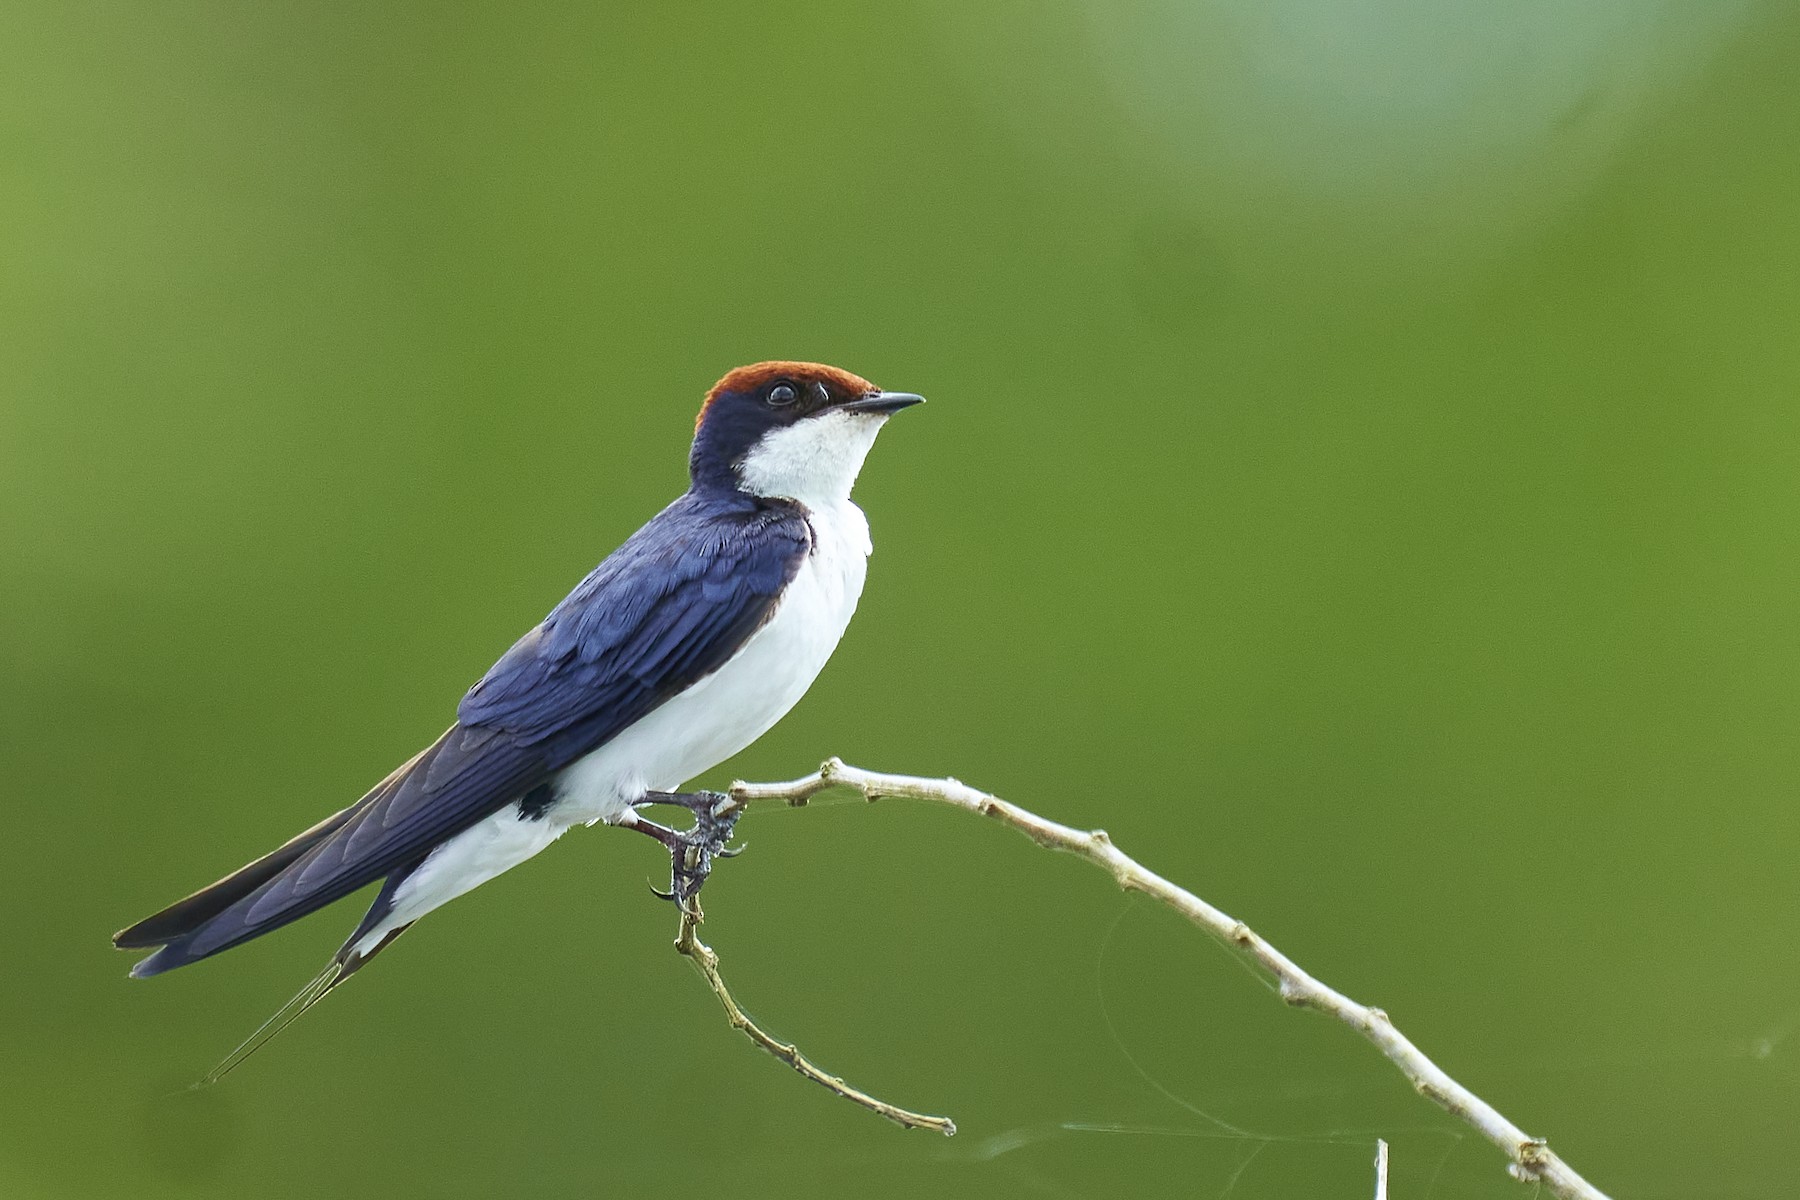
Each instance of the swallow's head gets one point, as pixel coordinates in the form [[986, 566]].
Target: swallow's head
[[797, 430]]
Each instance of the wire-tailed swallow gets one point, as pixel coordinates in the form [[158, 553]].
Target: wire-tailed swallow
[[680, 649]]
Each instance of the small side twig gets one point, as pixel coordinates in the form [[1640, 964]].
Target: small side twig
[[688, 942], [1381, 1170], [1531, 1159]]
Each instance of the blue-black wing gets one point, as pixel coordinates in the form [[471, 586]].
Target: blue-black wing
[[667, 608]]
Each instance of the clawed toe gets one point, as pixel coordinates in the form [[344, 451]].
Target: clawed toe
[[692, 851], [696, 802]]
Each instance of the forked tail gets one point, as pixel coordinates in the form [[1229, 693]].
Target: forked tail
[[343, 965], [290, 1012]]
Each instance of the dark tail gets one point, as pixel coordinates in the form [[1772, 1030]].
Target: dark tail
[[290, 1012], [175, 926], [344, 963], [302, 876]]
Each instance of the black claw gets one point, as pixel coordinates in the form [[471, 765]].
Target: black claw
[[691, 851]]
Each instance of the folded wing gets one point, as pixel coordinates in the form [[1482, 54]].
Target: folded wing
[[669, 607]]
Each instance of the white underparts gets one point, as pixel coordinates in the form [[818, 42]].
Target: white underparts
[[699, 728], [463, 863], [815, 460]]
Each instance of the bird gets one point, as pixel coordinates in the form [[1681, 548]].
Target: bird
[[685, 645]]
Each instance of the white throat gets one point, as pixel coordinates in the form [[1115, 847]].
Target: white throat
[[815, 460]]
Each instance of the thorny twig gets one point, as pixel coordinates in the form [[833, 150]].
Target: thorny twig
[[1531, 1159]]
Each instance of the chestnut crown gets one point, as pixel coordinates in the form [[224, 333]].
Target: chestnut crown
[[783, 428]]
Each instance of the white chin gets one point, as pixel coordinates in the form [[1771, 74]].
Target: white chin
[[815, 460]]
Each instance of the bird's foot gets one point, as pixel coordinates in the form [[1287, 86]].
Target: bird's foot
[[692, 851], [699, 803]]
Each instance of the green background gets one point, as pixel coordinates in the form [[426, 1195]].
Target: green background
[[1362, 473]]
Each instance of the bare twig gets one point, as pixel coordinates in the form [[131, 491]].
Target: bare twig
[[688, 942], [1380, 1169], [1532, 1160]]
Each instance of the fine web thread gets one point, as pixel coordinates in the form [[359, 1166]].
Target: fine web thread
[[1216, 1128]]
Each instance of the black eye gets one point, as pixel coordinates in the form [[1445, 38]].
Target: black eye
[[783, 394]]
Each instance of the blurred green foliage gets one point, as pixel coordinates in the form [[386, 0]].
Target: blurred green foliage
[[1361, 475]]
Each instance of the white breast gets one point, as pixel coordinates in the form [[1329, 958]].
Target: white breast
[[815, 462], [737, 704], [688, 734]]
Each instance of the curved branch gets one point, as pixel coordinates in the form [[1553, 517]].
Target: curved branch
[[1532, 1160], [688, 943]]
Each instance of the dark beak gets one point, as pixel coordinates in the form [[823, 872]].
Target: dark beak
[[882, 402]]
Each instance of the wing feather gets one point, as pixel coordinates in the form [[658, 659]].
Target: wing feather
[[667, 608]]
